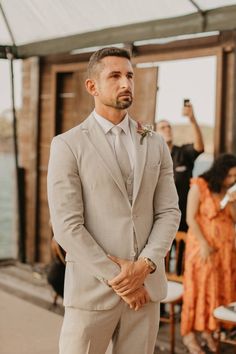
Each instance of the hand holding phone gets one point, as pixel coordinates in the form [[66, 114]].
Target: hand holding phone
[[186, 102], [187, 108], [225, 200]]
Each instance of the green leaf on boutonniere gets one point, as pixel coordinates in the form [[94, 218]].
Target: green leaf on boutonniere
[[143, 131]]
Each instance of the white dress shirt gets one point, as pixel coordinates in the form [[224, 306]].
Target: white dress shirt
[[125, 134]]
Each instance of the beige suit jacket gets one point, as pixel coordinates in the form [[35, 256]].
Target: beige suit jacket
[[91, 214]]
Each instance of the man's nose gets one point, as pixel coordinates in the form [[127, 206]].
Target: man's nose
[[125, 83]]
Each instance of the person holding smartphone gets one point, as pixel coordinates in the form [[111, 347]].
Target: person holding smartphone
[[183, 156]]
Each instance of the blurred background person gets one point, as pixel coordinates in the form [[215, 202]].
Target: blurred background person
[[183, 157], [210, 258], [56, 270]]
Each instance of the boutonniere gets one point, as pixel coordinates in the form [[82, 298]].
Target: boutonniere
[[144, 130]]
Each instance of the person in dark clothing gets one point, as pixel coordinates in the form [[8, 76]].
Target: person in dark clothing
[[183, 158], [56, 270], [183, 162]]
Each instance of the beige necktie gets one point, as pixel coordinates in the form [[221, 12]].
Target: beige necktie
[[121, 153]]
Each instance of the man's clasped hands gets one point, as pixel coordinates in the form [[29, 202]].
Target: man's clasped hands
[[129, 283]]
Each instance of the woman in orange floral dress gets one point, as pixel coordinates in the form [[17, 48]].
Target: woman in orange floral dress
[[210, 258]]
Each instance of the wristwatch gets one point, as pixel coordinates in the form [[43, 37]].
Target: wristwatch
[[150, 264]]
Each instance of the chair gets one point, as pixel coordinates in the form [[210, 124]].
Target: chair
[[56, 270], [225, 317], [174, 270]]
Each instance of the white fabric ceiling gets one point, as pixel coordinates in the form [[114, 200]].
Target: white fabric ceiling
[[37, 20]]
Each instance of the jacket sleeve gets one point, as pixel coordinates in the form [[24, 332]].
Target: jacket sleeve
[[166, 212], [66, 207]]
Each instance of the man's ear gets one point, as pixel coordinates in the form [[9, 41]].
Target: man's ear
[[91, 87]]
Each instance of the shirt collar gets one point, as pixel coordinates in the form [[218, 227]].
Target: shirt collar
[[107, 125]]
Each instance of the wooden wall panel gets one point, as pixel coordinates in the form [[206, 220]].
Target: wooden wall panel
[[229, 102], [45, 124], [44, 230], [67, 113], [145, 91], [28, 154], [225, 127], [84, 103], [45, 87], [44, 156]]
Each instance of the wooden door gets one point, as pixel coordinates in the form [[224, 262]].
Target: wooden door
[[143, 108], [71, 102]]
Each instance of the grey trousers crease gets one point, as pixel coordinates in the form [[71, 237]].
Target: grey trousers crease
[[89, 332]]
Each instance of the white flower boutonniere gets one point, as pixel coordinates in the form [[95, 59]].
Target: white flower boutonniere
[[144, 130]]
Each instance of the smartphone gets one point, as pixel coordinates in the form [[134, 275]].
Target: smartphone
[[186, 101], [225, 200], [231, 308]]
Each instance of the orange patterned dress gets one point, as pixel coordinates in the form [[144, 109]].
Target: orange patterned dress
[[208, 285]]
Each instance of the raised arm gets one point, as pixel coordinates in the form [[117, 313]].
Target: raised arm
[[198, 143], [192, 210]]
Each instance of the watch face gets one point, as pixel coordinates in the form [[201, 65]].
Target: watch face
[[150, 264]]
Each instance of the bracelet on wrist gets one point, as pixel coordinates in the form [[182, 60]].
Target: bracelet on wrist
[[150, 264]]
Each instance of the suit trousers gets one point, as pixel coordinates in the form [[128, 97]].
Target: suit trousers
[[89, 332]]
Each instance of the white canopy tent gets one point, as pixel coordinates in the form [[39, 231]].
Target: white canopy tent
[[56, 26]]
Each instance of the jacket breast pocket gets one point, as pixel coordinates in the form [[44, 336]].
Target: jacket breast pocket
[[153, 167]]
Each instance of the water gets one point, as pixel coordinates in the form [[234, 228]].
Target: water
[[8, 247]]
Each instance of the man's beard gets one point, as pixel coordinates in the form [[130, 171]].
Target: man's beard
[[123, 104]]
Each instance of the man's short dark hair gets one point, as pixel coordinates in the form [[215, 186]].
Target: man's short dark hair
[[96, 57]]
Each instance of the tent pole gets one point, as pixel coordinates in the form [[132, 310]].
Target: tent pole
[[201, 12], [7, 25], [19, 172]]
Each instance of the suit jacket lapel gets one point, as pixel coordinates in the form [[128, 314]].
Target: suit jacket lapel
[[103, 149], [140, 157]]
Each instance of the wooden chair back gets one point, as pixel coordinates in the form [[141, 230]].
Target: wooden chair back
[[174, 261]]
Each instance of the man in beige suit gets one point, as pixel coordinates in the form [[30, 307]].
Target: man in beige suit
[[114, 209]]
